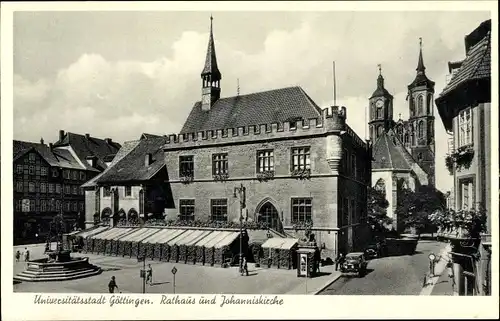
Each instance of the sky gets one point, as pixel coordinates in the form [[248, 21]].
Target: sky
[[120, 74]]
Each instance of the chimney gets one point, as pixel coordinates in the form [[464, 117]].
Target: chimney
[[108, 141], [148, 159], [87, 136], [41, 141], [61, 135]]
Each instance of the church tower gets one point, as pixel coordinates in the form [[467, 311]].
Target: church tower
[[380, 106], [210, 76], [421, 121]]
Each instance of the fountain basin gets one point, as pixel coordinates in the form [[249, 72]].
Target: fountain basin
[[48, 269]]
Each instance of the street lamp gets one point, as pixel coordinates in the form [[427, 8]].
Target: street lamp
[[242, 193]]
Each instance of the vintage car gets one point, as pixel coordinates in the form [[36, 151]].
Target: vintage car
[[354, 263]]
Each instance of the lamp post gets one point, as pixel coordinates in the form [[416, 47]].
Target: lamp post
[[242, 193]]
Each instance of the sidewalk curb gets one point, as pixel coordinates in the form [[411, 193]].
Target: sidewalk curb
[[330, 282]]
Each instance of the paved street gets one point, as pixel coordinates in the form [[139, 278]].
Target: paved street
[[189, 278], [401, 275]]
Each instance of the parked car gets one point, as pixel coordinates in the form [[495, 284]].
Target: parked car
[[354, 263]]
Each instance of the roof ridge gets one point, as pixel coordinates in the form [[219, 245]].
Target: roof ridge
[[309, 100], [388, 149], [261, 92]]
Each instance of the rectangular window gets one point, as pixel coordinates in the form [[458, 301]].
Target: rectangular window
[[32, 170], [219, 209], [55, 172], [465, 127], [75, 206], [19, 169], [128, 191], [353, 212], [58, 188], [19, 186], [82, 206], [51, 188], [43, 206], [19, 205], [106, 191], [186, 210], [31, 187], [301, 158], [32, 157], [186, 166], [219, 164], [75, 190], [67, 189], [58, 205], [32, 206], [265, 160], [467, 194], [75, 175], [82, 176], [66, 174], [43, 171], [301, 210], [43, 188], [345, 161]]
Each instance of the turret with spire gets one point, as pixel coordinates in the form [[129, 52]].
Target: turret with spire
[[210, 74], [381, 109], [421, 78]]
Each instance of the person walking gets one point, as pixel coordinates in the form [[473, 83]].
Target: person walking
[[339, 261], [245, 266], [26, 255], [18, 255], [112, 285], [149, 275]]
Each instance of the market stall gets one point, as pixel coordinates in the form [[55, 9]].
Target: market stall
[[209, 250], [191, 245], [226, 248], [176, 242], [279, 252], [86, 235], [101, 239], [199, 247], [165, 246]]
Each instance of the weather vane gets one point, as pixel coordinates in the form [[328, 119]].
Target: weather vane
[[379, 69], [420, 41]]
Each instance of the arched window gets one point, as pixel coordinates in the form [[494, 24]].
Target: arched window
[[407, 138], [141, 201], [380, 129], [420, 129], [420, 104], [380, 112], [380, 185]]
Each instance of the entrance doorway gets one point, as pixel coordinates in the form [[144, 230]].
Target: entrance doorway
[[269, 214]]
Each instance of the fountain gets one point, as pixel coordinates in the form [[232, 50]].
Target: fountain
[[58, 265]]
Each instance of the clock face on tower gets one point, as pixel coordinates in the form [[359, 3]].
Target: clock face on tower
[[379, 103]]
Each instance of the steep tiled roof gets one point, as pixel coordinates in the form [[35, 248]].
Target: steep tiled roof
[[146, 136], [477, 65], [265, 107], [85, 146], [56, 157], [129, 165], [388, 153]]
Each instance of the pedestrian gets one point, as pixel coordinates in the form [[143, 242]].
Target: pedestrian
[[149, 275], [112, 285], [26, 255], [338, 261], [317, 260], [18, 255], [245, 266]]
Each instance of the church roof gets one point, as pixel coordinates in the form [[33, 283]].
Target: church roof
[[129, 166], [278, 105], [389, 153]]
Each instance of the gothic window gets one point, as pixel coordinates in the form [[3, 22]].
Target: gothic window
[[107, 191], [380, 185], [420, 104], [420, 157], [128, 191], [380, 129], [407, 138], [141, 201], [380, 112], [420, 129]]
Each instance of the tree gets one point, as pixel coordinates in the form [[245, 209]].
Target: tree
[[415, 207], [377, 211]]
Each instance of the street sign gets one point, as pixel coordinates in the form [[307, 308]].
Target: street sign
[[432, 257], [174, 270]]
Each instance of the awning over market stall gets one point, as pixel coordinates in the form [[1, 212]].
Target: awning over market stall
[[92, 231], [228, 240], [197, 238], [157, 237], [113, 233], [139, 235], [207, 239], [222, 235], [280, 243]]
